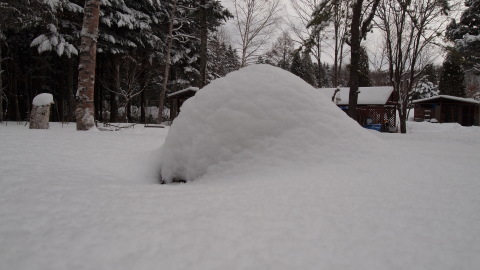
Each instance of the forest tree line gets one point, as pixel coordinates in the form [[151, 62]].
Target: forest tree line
[[39, 53], [141, 41]]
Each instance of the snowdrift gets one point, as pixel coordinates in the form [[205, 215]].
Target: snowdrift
[[255, 119]]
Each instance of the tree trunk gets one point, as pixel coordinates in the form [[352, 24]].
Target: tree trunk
[[1, 81], [403, 123], [15, 98], [319, 61], [61, 96], [143, 98], [70, 89], [166, 74], [129, 110], [100, 102], [335, 61], [203, 45], [114, 86], [86, 70], [355, 59], [97, 90]]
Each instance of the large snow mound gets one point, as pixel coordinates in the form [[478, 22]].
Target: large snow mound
[[258, 118]]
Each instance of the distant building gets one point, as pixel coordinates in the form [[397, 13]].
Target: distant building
[[376, 106], [448, 109], [177, 99]]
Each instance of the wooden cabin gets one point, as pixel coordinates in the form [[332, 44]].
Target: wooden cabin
[[448, 109], [376, 106], [178, 98]]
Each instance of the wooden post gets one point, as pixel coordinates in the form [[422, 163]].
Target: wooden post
[[40, 115]]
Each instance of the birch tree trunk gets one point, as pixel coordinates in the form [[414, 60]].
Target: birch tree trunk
[[86, 69]]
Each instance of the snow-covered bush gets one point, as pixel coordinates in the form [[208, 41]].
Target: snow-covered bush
[[424, 89], [260, 117]]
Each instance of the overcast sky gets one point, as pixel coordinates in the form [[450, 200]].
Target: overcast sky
[[372, 43]]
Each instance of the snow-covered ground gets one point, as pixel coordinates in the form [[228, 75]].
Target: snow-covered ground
[[89, 200], [280, 179]]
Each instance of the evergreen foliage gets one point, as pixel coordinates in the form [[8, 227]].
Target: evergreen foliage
[[424, 89], [452, 80], [364, 69], [41, 38], [296, 67], [466, 34]]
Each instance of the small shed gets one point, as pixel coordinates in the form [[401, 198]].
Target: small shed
[[178, 98], [376, 105], [448, 109]]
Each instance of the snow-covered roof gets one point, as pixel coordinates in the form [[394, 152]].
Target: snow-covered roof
[[43, 99], [468, 100], [191, 88], [378, 95]]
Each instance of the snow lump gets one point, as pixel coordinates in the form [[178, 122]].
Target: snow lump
[[42, 99], [259, 118]]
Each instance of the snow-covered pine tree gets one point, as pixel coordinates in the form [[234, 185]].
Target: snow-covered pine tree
[[128, 29], [232, 60], [466, 34], [324, 76], [222, 59], [303, 67], [296, 67], [452, 80], [364, 69], [211, 14], [308, 69], [424, 88]]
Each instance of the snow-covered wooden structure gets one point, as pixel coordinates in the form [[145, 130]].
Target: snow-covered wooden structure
[[40, 114], [448, 109], [376, 106], [177, 99]]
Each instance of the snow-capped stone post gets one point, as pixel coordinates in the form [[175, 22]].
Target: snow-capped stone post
[[86, 69], [40, 115]]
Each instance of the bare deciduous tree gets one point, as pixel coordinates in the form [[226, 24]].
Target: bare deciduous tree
[[410, 29], [332, 17], [134, 81], [303, 13], [255, 21]]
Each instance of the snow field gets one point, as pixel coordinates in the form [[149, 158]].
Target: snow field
[[83, 200], [285, 181]]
